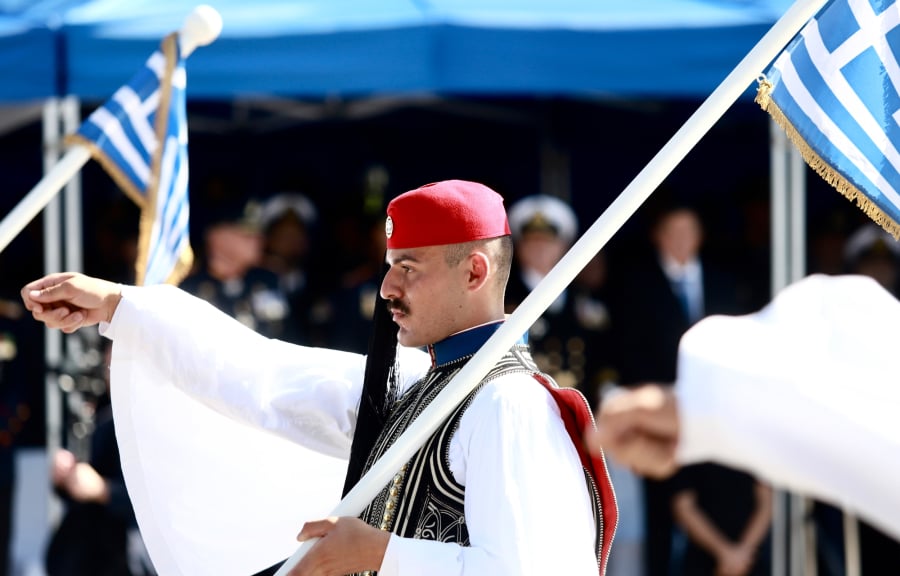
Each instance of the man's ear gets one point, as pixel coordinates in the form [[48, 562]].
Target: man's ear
[[479, 269]]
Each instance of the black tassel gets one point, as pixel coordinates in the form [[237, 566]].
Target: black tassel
[[373, 405]]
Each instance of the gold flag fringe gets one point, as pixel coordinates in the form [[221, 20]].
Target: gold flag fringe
[[820, 166], [110, 166]]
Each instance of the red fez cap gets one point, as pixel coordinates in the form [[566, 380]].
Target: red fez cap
[[448, 212]]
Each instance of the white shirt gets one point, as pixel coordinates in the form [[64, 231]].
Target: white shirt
[[527, 507], [531, 278], [805, 393], [690, 277]]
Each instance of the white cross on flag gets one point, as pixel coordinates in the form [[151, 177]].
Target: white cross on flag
[[836, 92]]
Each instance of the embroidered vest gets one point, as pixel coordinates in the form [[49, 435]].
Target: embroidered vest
[[424, 500]]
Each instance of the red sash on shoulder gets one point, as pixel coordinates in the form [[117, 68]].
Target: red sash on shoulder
[[578, 418]]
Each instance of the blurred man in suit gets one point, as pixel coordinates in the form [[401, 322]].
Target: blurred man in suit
[[656, 298]]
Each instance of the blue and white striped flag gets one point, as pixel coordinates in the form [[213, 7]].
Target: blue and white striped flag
[[140, 137], [836, 92]]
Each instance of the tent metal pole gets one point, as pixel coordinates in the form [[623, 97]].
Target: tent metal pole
[[779, 206], [53, 353], [798, 214], [779, 264], [803, 548], [793, 538], [852, 553], [73, 245]]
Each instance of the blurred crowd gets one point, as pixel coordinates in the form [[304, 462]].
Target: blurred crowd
[[283, 267]]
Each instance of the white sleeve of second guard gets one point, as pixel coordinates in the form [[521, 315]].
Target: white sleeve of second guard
[[802, 394]]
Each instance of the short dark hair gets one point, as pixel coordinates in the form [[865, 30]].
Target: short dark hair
[[499, 250]]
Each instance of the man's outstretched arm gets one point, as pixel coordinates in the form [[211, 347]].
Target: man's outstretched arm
[[69, 301]]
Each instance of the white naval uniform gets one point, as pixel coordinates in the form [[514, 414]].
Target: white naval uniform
[[804, 393], [527, 506]]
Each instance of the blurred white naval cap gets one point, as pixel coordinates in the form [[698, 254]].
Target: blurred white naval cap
[[545, 213]]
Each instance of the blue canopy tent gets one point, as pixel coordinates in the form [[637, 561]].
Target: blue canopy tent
[[27, 59], [296, 58], [353, 48], [28, 66]]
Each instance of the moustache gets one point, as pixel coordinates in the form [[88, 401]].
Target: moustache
[[397, 306]]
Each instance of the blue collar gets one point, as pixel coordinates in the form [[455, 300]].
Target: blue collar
[[463, 343]]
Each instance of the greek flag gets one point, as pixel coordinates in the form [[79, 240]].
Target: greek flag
[[140, 137], [836, 92]]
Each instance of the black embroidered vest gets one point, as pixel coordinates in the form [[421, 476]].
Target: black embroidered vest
[[418, 503]]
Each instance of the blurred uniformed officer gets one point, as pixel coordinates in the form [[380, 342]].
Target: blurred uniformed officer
[[231, 277], [568, 340]]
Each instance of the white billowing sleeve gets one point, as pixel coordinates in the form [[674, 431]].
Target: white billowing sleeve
[[307, 395], [214, 490], [804, 393], [527, 506]]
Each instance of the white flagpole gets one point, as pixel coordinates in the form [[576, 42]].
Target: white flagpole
[[41, 195], [201, 27], [568, 267]]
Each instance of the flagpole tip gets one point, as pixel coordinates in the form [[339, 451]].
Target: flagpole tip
[[201, 27]]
